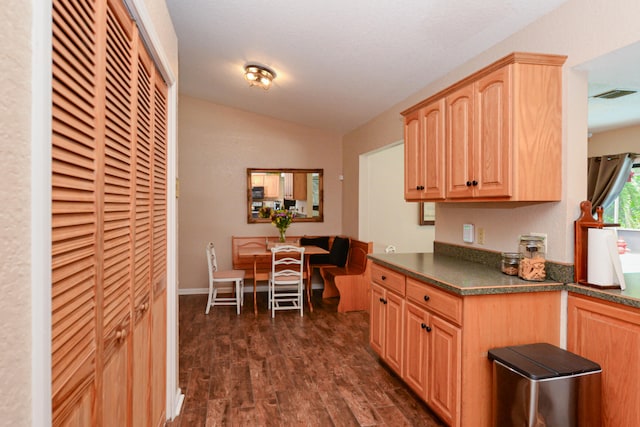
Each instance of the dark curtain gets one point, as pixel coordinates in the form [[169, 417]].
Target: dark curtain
[[606, 177]]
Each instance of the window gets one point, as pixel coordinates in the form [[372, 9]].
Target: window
[[625, 210]]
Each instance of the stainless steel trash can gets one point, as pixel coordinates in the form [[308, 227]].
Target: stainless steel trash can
[[537, 385]]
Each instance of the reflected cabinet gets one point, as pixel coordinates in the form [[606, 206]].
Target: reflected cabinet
[[297, 190]]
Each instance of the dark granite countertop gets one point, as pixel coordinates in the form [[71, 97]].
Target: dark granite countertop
[[465, 277], [630, 296], [460, 276]]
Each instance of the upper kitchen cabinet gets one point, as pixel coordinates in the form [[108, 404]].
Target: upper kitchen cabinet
[[424, 153], [479, 143], [503, 132], [270, 182]]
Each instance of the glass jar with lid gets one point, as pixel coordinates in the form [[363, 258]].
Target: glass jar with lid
[[510, 262], [532, 258]]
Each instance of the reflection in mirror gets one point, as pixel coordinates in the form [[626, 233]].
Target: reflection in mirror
[[298, 190]]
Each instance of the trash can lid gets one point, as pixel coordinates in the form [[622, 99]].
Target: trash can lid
[[541, 360]]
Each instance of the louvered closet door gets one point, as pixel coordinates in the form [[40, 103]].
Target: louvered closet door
[[142, 242], [74, 221], [117, 206], [109, 164]]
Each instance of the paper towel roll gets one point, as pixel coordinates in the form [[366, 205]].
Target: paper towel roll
[[603, 261]]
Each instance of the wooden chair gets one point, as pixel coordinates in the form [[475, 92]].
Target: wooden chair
[[286, 280], [221, 282]]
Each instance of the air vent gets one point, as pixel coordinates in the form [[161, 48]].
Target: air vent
[[615, 93]]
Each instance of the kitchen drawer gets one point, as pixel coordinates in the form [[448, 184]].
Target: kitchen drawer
[[388, 278], [436, 300]]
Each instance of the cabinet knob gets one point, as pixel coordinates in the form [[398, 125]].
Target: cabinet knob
[[468, 183], [425, 327], [474, 182], [382, 300], [426, 297], [383, 277]]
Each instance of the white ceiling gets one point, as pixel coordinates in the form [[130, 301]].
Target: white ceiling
[[617, 70], [339, 63]]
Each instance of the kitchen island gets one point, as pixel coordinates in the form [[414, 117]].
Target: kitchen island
[[435, 317]]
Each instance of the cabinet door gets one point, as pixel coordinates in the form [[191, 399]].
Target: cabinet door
[[257, 180], [493, 137], [609, 334], [300, 186], [433, 131], [424, 153], [413, 167], [272, 185], [459, 142], [444, 380], [393, 340], [416, 349], [377, 319]]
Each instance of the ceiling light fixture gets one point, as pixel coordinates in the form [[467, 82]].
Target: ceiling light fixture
[[259, 75]]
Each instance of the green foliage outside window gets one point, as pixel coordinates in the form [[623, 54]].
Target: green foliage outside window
[[627, 206]]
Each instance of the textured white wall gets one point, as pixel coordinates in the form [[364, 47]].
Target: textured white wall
[[15, 277], [386, 218]]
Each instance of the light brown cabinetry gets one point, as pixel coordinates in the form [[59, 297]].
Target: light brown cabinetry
[[433, 348], [609, 334], [503, 131], [295, 186], [447, 337], [269, 181], [432, 361], [479, 144], [387, 316], [424, 133]]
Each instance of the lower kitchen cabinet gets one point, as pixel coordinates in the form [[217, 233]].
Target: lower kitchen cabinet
[[446, 338], [387, 317], [609, 334], [432, 361]]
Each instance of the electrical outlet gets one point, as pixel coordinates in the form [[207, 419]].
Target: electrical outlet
[[480, 236]]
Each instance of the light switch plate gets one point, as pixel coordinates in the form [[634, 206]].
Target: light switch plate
[[467, 233]]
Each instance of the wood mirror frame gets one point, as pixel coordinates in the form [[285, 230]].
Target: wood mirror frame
[[300, 189]]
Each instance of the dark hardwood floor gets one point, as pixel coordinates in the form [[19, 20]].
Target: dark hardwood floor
[[317, 370]]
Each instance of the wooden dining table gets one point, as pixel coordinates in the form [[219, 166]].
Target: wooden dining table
[[258, 253]]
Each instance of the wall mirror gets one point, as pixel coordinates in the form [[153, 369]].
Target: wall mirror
[[299, 190]]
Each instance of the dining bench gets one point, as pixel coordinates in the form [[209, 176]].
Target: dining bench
[[351, 282]]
